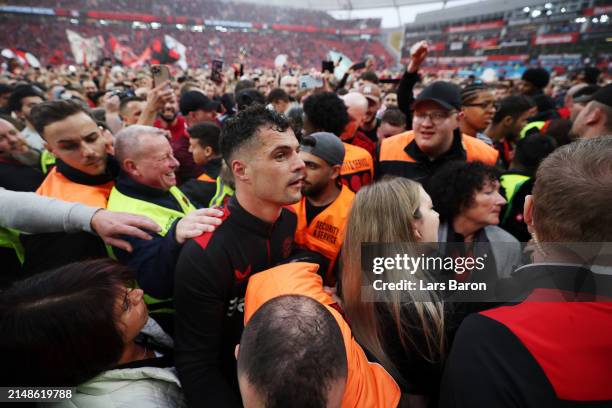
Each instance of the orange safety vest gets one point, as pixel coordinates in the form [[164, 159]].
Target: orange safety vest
[[56, 185], [392, 149], [206, 178], [357, 168], [325, 233], [368, 384]]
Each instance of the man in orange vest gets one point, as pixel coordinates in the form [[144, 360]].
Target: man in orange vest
[[323, 210], [84, 171], [435, 138], [289, 318]]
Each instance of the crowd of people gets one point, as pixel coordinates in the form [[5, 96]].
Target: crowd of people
[[46, 38], [200, 240]]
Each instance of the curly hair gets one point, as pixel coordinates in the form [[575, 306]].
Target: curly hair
[[242, 128], [326, 112], [453, 187]]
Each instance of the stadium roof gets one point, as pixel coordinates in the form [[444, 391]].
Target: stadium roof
[[328, 5]]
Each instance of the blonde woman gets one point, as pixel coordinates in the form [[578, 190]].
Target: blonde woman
[[404, 331]]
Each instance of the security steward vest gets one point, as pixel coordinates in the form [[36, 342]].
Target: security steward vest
[[57, 185], [367, 384], [162, 216], [206, 178], [9, 238], [397, 155], [357, 168], [511, 182], [537, 126], [47, 160], [222, 194], [325, 233]]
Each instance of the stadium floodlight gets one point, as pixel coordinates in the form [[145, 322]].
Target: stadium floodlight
[[526, 10], [155, 25], [563, 9], [74, 21], [548, 12], [580, 20], [103, 22], [548, 6], [180, 27], [197, 28], [536, 13], [604, 18], [595, 20]]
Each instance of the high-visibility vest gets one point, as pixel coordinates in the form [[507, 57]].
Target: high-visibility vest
[[539, 125], [357, 168], [164, 217], [57, 185], [47, 159], [511, 182], [9, 238], [223, 192], [393, 149], [325, 232], [367, 384]]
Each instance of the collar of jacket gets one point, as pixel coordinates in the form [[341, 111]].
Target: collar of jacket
[[77, 176], [456, 152], [246, 220]]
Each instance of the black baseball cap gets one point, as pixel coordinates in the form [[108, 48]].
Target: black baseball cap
[[604, 95], [194, 100], [445, 94], [584, 94]]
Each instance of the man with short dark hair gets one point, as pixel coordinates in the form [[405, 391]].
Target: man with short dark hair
[[14, 174], [279, 100], [5, 94], [130, 109], [326, 112], [392, 122], [505, 128], [21, 102], [213, 269], [204, 145], [323, 211], [292, 355], [532, 84], [435, 140]]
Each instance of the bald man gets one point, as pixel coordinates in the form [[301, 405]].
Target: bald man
[[290, 85], [357, 108], [147, 186]]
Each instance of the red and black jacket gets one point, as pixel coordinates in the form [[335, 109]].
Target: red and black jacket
[[210, 284], [552, 350]]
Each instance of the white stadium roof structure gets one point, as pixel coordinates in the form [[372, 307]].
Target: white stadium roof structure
[[329, 5]]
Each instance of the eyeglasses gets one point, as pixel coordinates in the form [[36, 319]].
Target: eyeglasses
[[435, 117], [483, 105]]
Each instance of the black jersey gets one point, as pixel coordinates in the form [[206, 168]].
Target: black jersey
[[210, 283]]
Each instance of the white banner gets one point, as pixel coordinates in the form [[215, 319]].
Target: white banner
[[179, 48], [85, 50]]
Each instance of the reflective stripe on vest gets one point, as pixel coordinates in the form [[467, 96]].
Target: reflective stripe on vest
[[47, 159], [223, 190], [9, 238], [530, 126], [511, 183], [325, 233], [56, 185], [164, 217]]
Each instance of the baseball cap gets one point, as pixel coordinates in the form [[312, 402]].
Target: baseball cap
[[445, 94], [604, 95], [584, 94], [194, 100], [371, 91], [324, 145]]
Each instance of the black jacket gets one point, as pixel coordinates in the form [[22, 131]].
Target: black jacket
[[210, 283]]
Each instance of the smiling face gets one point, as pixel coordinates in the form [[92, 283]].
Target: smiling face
[[270, 167], [433, 127], [79, 143], [486, 205], [154, 165]]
